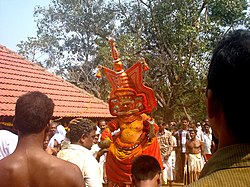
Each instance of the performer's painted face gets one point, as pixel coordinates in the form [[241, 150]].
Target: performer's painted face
[[127, 103]]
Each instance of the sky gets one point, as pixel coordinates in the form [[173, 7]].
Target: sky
[[17, 22]]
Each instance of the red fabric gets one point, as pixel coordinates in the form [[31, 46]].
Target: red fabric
[[119, 170], [112, 126], [106, 135], [208, 156]]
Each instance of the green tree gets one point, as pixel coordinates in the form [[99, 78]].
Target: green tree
[[67, 37], [176, 37]]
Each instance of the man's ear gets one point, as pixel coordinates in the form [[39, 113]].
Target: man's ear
[[215, 113], [82, 140], [212, 105], [14, 123], [159, 179]]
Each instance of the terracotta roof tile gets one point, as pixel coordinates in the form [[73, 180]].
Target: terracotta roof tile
[[18, 76]]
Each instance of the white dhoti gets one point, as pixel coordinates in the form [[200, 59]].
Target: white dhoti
[[164, 171], [195, 165], [169, 168]]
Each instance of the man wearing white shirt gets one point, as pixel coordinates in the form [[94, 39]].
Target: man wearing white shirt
[[166, 146], [100, 155], [182, 135], [199, 134], [81, 134], [8, 142], [208, 142]]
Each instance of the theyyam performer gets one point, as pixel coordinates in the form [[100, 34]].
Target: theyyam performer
[[130, 102]]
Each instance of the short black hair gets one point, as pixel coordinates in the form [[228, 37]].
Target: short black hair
[[228, 78], [145, 167], [32, 112], [192, 129], [79, 127]]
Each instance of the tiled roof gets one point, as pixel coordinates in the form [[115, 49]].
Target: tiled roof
[[18, 76]]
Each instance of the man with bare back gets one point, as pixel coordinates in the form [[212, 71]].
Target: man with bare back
[[29, 165], [194, 157]]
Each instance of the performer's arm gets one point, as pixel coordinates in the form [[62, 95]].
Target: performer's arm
[[107, 133], [149, 125]]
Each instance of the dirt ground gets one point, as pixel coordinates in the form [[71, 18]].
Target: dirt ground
[[174, 185], [167, 185]]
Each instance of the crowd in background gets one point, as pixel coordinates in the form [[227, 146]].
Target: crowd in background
[[185, 147]]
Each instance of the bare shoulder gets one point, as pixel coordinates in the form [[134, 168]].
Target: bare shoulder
[[198, 141], [32, 170], [68, 172], [63, 166]]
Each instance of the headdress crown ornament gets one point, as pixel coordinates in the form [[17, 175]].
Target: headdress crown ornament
[[128, 83]]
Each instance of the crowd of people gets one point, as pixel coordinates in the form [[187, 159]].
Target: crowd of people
[[185, 148], [214, 152]]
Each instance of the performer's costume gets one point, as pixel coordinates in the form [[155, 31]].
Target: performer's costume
[[129, 101]]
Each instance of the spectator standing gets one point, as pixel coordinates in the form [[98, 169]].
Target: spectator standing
[[56, 140], [102, 161], [29, 164], [182, 135], [194, 158], [166, 146], [102, 124], [100, 155], [52, 130], [227, 102], [95, 148], [199, 133], [81, 134], [172, 158], [208, 141]]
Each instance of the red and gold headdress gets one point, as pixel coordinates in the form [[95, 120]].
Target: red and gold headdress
[[128, 83]]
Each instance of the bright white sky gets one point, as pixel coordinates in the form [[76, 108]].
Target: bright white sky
[[17, 21]]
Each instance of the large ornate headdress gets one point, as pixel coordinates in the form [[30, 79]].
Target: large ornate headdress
[[128, 83]]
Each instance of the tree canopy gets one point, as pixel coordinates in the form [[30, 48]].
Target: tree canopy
[[176, 37]]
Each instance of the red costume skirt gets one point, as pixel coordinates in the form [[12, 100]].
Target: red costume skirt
[[119, 161]]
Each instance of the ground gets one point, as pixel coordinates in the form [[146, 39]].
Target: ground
[[174, 185]]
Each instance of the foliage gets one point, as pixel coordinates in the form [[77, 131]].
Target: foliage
[[68, 31], [176, 37]]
